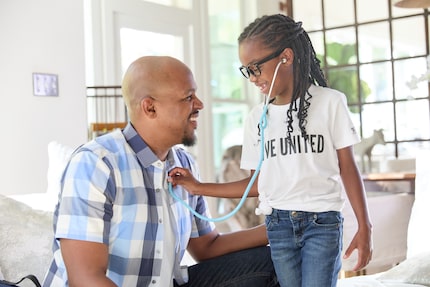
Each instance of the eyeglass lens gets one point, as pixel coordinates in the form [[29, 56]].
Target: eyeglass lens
[[248, 71], [254, 69]]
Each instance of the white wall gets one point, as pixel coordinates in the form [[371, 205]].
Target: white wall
[[44, 36], [47, 36]]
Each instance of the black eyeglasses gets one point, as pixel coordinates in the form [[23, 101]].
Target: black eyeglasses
[[254, 69]]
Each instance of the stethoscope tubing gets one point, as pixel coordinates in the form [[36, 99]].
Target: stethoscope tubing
[[263, 125]]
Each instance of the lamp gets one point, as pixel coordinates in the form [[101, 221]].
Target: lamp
[[412, 3]]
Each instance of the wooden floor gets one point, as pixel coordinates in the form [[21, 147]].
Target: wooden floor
[[347, 274]]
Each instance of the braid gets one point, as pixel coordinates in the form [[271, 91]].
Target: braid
[[280, 31]]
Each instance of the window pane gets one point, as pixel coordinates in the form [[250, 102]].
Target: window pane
[[410, 78], [410, 149], [138, 43], [345, 80], [317, 39], [309, 12], [228, 121], [338, 13], [374, 42], [341, 47], [370, 10], [378, 116], [407, 43], [226, 80], [184, 4], [412, 119], [376, 82]]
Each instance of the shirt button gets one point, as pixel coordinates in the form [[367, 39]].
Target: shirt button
[[154, 281], [160, 220], [157, 190]]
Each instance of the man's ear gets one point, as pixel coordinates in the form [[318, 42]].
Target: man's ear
[[147, 107]]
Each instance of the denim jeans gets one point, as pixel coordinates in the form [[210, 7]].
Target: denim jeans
[[247, 268], [306, 247]]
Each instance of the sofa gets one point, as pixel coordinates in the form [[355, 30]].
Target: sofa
[[26, 223], [414, 270], [26, 230]]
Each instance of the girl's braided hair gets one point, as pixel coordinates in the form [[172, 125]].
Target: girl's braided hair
[[278, 32]]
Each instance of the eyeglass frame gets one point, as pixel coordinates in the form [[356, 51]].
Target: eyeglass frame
[[247, 71]]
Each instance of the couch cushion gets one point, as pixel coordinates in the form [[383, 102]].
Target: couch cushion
[[414, 270], [25, 240]]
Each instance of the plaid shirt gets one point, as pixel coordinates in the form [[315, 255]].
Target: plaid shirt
[[112, 194]]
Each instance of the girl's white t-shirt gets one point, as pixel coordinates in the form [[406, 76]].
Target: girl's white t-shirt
[[303, 175]]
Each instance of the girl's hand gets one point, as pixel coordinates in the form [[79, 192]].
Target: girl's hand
[[183, 177], [362, 241]]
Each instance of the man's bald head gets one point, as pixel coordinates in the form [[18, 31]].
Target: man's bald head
[[150, 76]]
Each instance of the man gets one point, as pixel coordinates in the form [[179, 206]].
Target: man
[[117, 225]]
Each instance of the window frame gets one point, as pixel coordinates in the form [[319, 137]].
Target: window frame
[[360, 104]]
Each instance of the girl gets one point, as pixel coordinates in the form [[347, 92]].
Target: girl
[[308, 157]]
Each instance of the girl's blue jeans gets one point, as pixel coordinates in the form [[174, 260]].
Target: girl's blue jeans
[[306, 247], [247, 268]]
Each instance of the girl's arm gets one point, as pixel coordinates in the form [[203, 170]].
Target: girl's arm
[[351, 178], [235, 189]]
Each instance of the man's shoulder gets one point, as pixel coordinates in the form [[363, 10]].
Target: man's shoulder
[[110, 143]]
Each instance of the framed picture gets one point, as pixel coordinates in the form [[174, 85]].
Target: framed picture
[[45, 84]]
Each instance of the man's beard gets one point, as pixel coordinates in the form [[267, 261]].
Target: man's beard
[[189, 141]]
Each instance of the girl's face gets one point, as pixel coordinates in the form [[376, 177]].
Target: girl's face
[[252, 55]]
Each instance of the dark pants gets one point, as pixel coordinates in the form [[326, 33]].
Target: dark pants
[[247, 268]]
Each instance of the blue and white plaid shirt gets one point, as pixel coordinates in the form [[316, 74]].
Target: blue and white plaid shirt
[[111, 193]]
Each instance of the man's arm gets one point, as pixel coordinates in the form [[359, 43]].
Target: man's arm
[[214, 244], [86, 263]]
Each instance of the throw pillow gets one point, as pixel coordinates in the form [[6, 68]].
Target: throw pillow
[[414, 270]]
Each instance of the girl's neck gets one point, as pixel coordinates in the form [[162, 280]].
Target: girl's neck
[[282, 100]]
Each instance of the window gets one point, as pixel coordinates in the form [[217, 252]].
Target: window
[[376, 54], [229, 106], [184, 4]]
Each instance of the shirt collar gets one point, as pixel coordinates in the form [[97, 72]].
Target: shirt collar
[[143, 152]]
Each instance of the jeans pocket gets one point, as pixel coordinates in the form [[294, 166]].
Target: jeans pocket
[[328, 219], [269, 222]]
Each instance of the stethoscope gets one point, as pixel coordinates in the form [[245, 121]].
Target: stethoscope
[[263, 125]]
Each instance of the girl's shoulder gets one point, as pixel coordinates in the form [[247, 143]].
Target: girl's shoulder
[[326, 94], [325, 91]]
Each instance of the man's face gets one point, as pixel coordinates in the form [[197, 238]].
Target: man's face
[[180, 109]]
